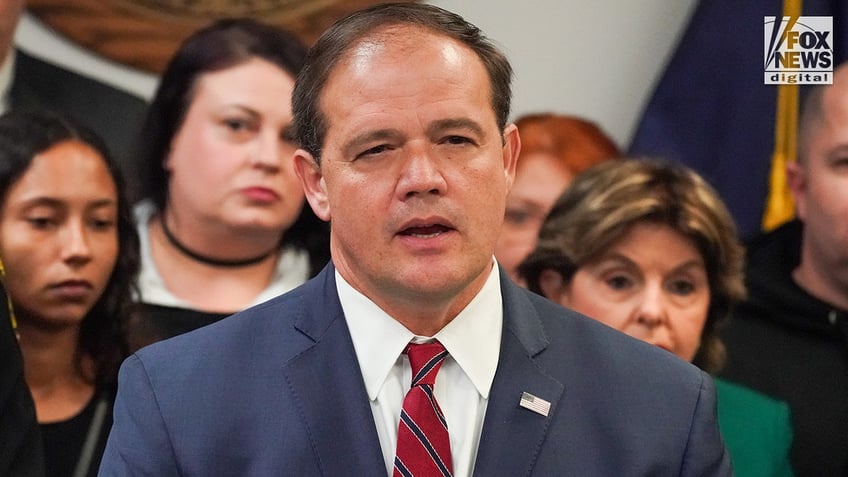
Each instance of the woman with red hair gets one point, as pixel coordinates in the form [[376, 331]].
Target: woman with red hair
[[554, 149]]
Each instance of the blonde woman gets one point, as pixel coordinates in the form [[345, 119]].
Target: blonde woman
[[648, 248]]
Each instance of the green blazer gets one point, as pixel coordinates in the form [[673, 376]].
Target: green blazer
[[756, 430]]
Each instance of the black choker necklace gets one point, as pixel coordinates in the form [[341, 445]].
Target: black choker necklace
[[215, 262]]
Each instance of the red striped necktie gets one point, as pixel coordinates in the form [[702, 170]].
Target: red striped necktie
[[423, 445]]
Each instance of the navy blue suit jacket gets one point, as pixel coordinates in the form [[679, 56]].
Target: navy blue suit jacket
[[277, 390]]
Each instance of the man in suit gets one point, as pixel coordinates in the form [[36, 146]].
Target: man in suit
[[27, 82], [401, 112]]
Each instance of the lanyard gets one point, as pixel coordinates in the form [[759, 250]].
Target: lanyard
[[91, 438]]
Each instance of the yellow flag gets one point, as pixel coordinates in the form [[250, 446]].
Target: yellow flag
[[779, 204]]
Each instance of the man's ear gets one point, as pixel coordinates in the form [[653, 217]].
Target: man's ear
[[511, 148], [312, 180], [553, 286], [796, 180]]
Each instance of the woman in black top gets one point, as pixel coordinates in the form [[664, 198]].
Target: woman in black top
[[70, 251]]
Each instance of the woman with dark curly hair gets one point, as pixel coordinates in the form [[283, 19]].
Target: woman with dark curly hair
[[648, 248], [70, 250]]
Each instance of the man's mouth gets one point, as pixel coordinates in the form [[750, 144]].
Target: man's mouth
[[426, 231]]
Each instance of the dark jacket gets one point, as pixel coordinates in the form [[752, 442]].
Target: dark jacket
[[21, 452], [115, 115], [786, 343]]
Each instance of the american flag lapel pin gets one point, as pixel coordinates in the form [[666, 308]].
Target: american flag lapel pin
[[535, 404]]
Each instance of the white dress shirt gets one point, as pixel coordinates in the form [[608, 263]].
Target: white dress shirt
[[462, 386]]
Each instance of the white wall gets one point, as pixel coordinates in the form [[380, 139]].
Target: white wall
[[597, 59]]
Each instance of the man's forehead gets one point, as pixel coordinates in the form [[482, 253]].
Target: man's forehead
[[395, 39], [835, 104], [397, 42]]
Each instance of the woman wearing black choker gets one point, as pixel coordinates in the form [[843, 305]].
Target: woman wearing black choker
[[224, 226]]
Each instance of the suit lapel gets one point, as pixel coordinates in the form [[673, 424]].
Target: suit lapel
[[512, 435], [328, 385]]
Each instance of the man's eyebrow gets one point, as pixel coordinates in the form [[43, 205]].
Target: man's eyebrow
[[455, 123], [439, 126], [366, 137], [835, 153]]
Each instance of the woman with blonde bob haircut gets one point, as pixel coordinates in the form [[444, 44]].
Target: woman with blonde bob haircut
[[648, 248]]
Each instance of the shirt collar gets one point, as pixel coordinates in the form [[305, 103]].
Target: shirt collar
[[473, 338]]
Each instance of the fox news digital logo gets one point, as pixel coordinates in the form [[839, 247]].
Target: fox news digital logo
[[798, 50]]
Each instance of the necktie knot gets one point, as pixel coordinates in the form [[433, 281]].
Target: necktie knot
[[425, 360]]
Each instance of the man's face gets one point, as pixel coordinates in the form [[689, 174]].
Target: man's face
[[414, 171], [820, 188]]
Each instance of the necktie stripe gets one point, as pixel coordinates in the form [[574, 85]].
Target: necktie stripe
[[428, 390], [423, 443], [428, 366], [401, 469]]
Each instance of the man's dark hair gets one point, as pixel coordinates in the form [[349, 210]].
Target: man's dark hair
[[310, 125]]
